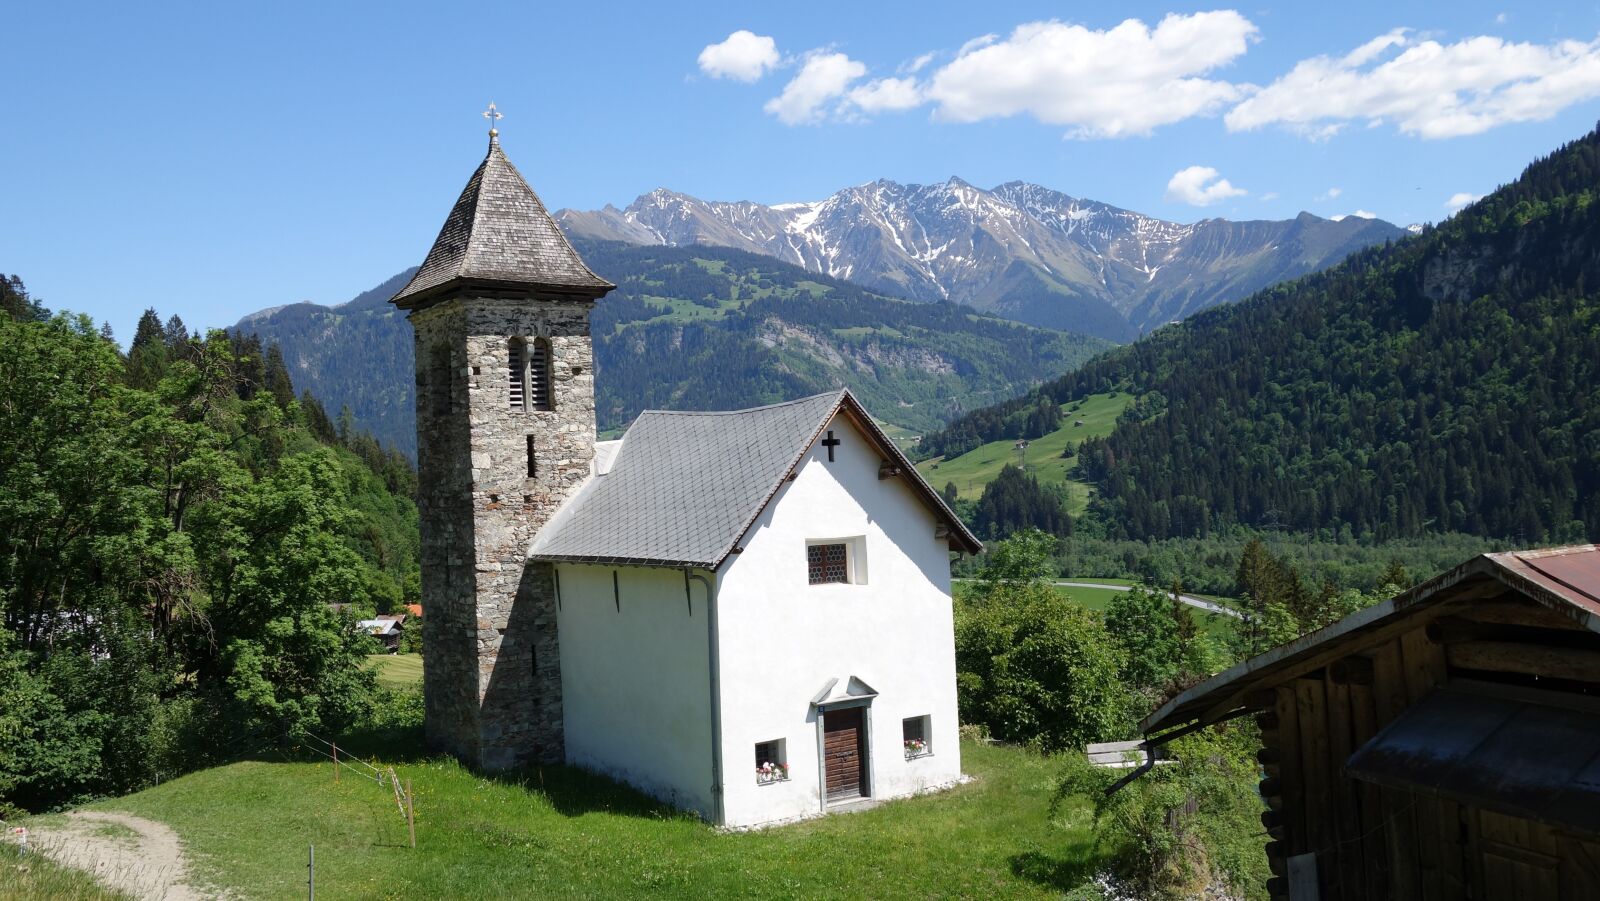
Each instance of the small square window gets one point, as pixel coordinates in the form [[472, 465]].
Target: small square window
[[918, 736], [772, 762], [827, 563]]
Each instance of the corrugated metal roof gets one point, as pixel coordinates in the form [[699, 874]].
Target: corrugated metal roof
[[500, 234], [685, 486], [1565, 579], [1539, 761]]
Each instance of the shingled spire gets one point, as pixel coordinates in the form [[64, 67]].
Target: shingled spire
[[500, 237], [505, 433]]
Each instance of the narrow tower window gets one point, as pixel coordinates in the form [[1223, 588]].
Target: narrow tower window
[[519, 374], [539, 396], [533, 460]]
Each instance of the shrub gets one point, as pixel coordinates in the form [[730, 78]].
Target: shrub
[[1185, 826]]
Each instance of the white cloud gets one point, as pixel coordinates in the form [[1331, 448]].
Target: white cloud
[[1200, 186], [1461, 199], [1270, 195], [918, 64], [1427, 89], [982, 40], [1329, 194], [886, 95], [1501, 18], [1126, 80], [744, 56], [822, 79]]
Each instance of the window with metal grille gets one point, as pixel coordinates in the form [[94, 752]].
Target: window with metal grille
[[518, 367], [539, 396], [827, 563]]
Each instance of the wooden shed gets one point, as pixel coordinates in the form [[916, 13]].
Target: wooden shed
[[1443, 744]]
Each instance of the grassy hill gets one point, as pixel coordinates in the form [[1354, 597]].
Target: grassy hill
[[1043, 457], [561, 832]]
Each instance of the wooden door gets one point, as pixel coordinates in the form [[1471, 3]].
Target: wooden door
[[844, 753]]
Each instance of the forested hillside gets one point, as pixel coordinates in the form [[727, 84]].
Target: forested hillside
[[174, 526], [1442, 383], [704, 328]]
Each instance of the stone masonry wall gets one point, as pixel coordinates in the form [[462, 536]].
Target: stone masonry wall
[[444, 480], [497, 700]]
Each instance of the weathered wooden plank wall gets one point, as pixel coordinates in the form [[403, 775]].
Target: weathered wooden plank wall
[[1373, 842]]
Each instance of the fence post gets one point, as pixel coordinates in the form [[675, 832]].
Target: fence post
[[311, 872], [335, 746], [411, 814]]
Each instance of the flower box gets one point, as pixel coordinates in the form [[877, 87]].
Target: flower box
[[916, 747], [768, 773]]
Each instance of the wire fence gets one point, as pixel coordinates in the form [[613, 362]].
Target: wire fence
[[404, 799], [354, 764]]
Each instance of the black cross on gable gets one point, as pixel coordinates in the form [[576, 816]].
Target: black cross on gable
[[830, 443]]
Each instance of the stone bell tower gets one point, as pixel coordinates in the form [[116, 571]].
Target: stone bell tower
[[505, 433]]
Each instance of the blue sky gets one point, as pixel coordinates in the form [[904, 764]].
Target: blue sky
[[213, 159]]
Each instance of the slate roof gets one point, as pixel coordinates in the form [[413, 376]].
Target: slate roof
[[685, 486], [499, 234]]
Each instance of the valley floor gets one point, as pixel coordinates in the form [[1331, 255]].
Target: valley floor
[[245, 829]]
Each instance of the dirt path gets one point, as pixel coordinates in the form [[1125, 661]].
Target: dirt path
[[128, 853]]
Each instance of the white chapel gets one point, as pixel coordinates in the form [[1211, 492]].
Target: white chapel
[[746, 614]]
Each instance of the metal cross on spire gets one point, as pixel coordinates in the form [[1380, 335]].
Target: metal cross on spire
[[493, 115]]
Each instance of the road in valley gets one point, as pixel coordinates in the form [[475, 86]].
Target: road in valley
[[1190, 599]]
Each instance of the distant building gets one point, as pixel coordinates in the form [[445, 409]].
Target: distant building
[[386, 630], [747, 614], [1443, 744]]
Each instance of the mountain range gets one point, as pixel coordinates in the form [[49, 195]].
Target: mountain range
[[1019, 250], [702, 328], [1442, 383]]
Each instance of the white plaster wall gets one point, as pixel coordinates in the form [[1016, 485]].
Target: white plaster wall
[[635, 683], [781, 639]]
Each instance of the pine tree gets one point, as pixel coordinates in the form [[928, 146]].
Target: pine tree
[[1394, 577], [149, 330], [175, 333], [15, 302], [277, 376], [148, 358]]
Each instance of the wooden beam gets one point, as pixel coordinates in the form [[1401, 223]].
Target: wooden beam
[[1546, 661], [1455, 629], [1520, 613]]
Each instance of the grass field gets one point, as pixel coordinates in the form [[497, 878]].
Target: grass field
[[1043, 456], [397, 670], [1215, 625], [561, 832], [35, 877]]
